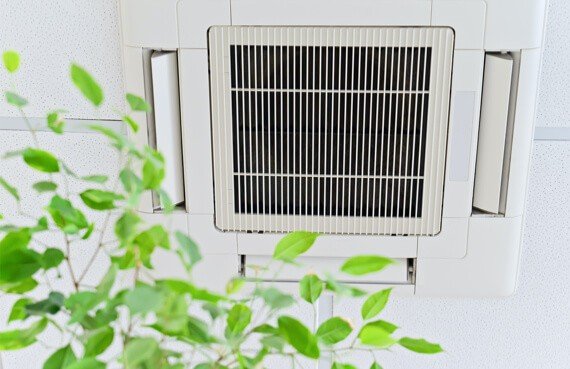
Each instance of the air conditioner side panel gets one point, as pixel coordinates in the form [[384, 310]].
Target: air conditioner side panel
[[490, 267], [523, 132], [195, 114], [463, 129]]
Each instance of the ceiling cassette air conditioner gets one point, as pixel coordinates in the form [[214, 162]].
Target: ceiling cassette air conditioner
[[399, 128]]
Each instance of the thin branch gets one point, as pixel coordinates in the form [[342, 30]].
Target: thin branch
[[68, 261], [30, 128], [100, 242]]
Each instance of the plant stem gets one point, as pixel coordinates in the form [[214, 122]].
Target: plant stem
[[100, 242], [30, 128], [99, 246], [68, 261]]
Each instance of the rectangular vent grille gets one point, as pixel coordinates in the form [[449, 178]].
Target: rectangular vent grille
[[336, 130]]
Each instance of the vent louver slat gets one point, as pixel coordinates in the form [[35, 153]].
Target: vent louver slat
[[338, 130]]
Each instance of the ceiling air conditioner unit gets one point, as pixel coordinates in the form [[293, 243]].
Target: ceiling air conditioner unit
[[401, 128]]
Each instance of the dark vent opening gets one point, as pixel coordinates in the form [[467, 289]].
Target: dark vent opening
[[337, 131]]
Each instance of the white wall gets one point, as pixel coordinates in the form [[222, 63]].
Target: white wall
[[50, 35], [528, 330]]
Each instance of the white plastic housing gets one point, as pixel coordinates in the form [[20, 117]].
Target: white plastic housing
[[474, 254]]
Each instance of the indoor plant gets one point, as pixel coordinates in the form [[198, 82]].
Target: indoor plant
[[157, 323]]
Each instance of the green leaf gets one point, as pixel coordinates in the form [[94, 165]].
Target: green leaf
[[125, 261], [61, 359], [375, 303], [20, 287], [20, 338], [14, 240], [234, 285], [189, 251], [293, 245], [86, 84], [276, 299], [97, 178], [41, 226], [175, 366], [343, 289], [334, 330], [214, 310], [51, 305], [420, 345], [106, 315], [153, 171], [130, 181], [211, 366], [375, 366], [165, 201], [299, 336], [172, 317], [98, 341], [11, 190], [51, 258], [89, 231], [372, 335], [80, 303], [140, 351], [273, 342], [11, 60], [99, 199], [342, 366], [126, 226], [311, 288], [65, 216], [148, 240], [44, 186], [266, 328], [107, 282], [387, 326], [118, 140], [15, 100], [18, 264], [184, 287], [361, 265], [143, 299], [137, 103], [197, 331], [154, 236], [41, 160], [239, 318], [247, 362], [87, 363], [131, 122], [18, 311], [55, 123]]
